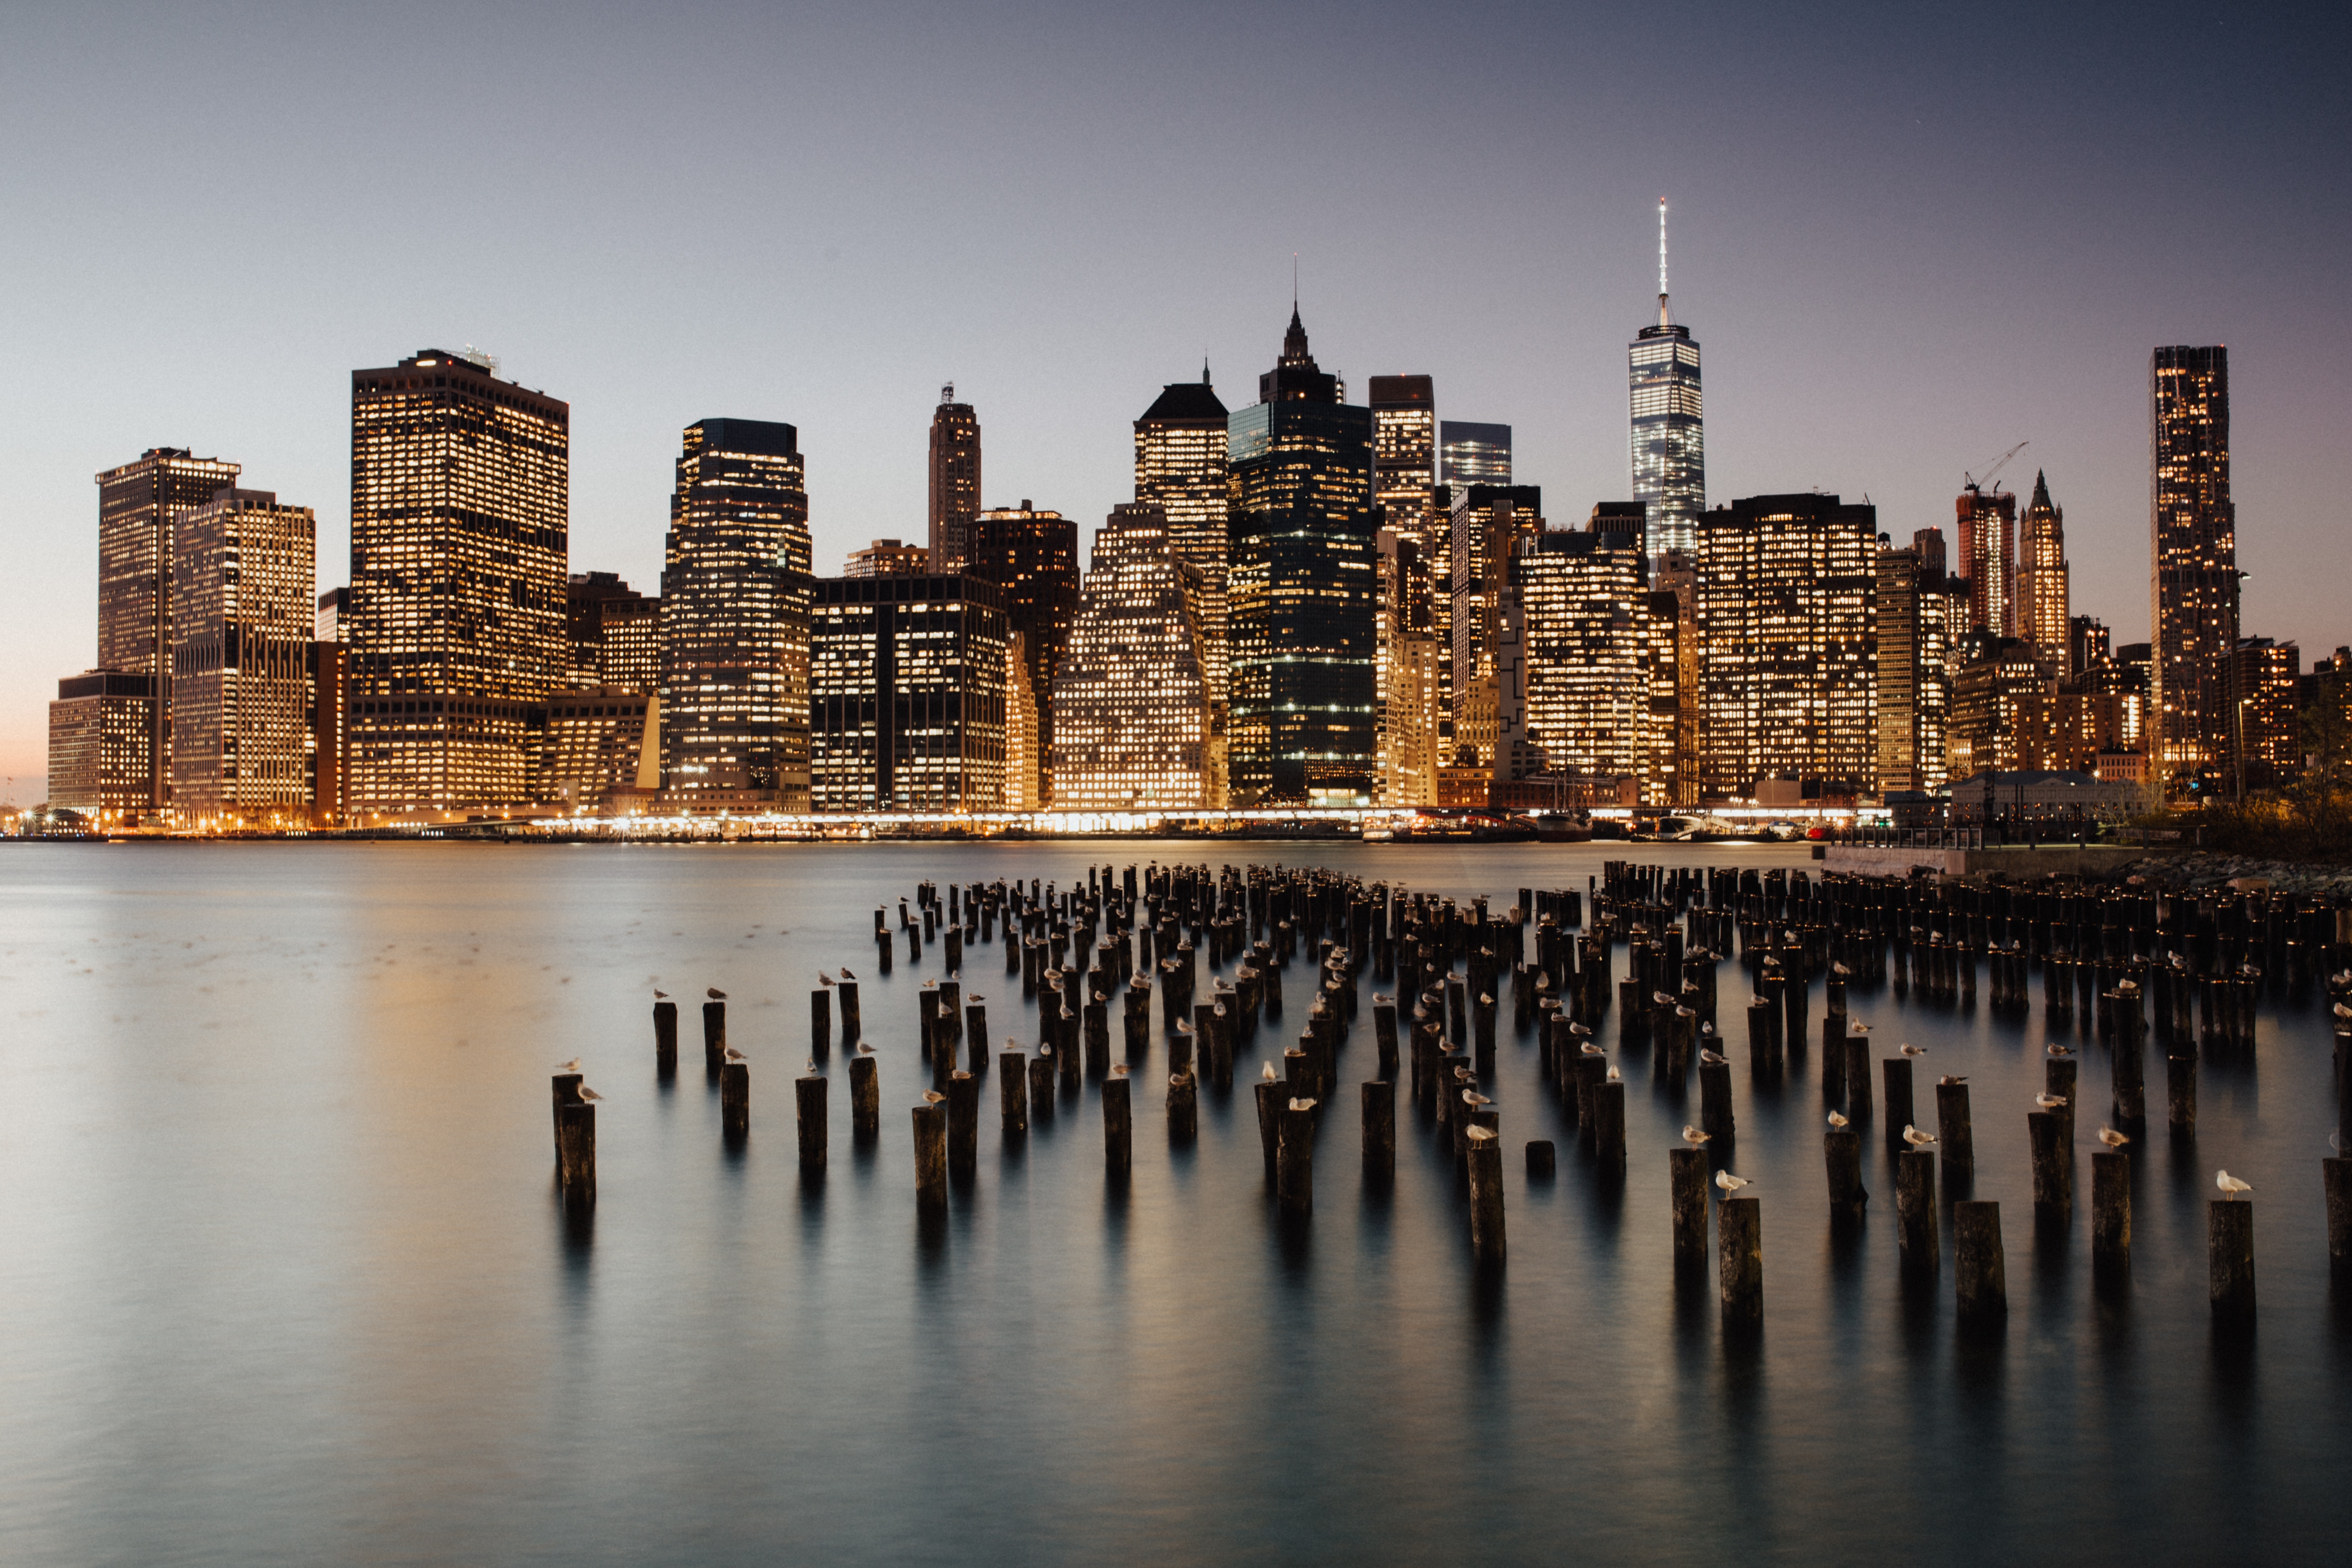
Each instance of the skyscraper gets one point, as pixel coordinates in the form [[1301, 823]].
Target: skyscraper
[[1303, 521], [1910, 619], [889, 558], [1133, 723], [1473, 454], [460, 529], [2193, 613], [1988, 534], [1033, 558], [243, 608], [136, 503], [1490, 524], [1587, 679], [955, 480], [907, 689], [735, 626], [2042, 613], [613, 632], [1406, 673], [1669, 439], [1405, 448], [1179, 468], [1785, 585]]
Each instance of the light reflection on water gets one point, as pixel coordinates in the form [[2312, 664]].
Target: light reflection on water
[[282, 1277]]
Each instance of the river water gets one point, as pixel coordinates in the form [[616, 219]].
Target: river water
[[283, 1278]]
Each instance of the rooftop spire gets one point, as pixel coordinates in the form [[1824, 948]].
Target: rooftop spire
[[1664, 320]]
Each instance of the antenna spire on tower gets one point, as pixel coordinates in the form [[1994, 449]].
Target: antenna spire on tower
[[1663, 320]]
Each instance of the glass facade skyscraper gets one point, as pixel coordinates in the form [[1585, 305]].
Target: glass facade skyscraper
[[1303, 523], [244, 605], [1179, 468], [1473, 454], [1033, 557], [907, 682], [1669, 435], [2193, 524], [735, 619]]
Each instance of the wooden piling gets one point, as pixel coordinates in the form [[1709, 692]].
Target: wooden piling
[[1914, 1212], [2058, 1079], [1041, 1086], [2229, 1258], [1485, 1162], [666, 1039], [1901, 1110], [819, 1018], [931, 1154], [735, 1099], [1842, 1156], [975, 1034], [1714, 1117], [1763, 1040], [714, 1037], [1013, 1093], [1739, 1235], [1270, 1097], [1858, 1092], [1981, 1277], [851, 1024], [809, 1099], [2180, 1095], [1119, 1129], [2053, 1165], [2111, 1214], [1542, 1160], [2335, 1177], [1609, 1129], [963, 1125], [1687, 1194], [576, 1144], [1183, 1107], [865, 1097], [1295, 1156], [1954, 1138], [1380, 1127]]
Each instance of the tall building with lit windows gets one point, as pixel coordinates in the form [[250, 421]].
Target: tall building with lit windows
[[1987, 559], [889, 558], [1179, 468], [460, 531], [615, 634], [2193, 589], [735, 619], [954, 480], [1404, 449], [1911, 620], [1303, 522], [908, 679], [1489, 524], [2043, 614], [1669, 432], [1134, 725], [1784, 615], [1588, 650], [136, 505], [1410, 700], [1032, 555], [1469, 453], [244, 605]]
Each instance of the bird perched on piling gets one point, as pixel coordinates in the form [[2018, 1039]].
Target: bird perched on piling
[[932, 1097], [587, 1093], [1590, 1050], [1950, 1078], [1711, 1058], [1119, 1069], [845, 974], [864, 1049], [824, 979], [2231, 1186], [1731, 1183], [735, 1055], [1910, 1050], [1859, 1027], [1916, 1138], [661, 996], [2112, 1139], [811, 1066], [1575, 1028], [571, 1066], [1836, 1120], [1616, 1077], [2059, 1051], [2048, 1101], [1471, 1098], [1693, 1137], [715, 994], [1266, 1071]]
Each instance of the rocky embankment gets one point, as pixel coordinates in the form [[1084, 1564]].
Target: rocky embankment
[[2208, 870]]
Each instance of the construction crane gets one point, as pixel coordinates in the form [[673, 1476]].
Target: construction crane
[[1970, 481]]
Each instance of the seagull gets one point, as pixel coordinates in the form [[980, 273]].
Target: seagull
[[1575, 1028], [1614, 1077], [1710, 1059], [2231, 1186], [571, 1066], [587, 1093], [1916, 1138], [1119, 1069], [715, 994], [823, 978], [1693, 1137], [1915, 1050], [661, 995], [932, 1097], [1266, 1071], [2048, 1101], [847, 975], [1950, 1078], [735, 1055], [1859, 1029], [1836, 1120], [811, 1066], [1471, 1097], [864, 1049], [2059, 1051], [2112, 1139], [1731, 1183]]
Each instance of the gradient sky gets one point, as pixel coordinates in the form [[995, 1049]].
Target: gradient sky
[[1905, 240]]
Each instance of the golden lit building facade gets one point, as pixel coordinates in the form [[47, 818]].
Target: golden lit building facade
[[889, 558], [1911, 617], [1179, 468], [1032, 555], [101, 745], [1406, 677], [1589, 641], [615, 633], [1488, 525], [460, 520], [2270, 733], [1784, 617], [1987, 559], [954, 481], [908, 679], [1675, 572], [244, 605], [735, 620], [601, 750], [2045, 617], [1134, 720], [2003, 701], [2193, 590]]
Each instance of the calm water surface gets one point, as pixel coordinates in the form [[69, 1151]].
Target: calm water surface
[[282, 1279]]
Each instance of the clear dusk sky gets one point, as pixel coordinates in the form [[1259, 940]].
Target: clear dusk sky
[[1908, 237]]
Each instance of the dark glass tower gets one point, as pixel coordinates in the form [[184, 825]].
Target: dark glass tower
[[2193, 615], [735, 619], [1669, 436], [1033, 556], [955, 480], [1304, 527]]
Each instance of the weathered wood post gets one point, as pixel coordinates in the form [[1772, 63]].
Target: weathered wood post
[[1915, 1213], [820, 1019], [1041, 1084], [2130, 1083], [1763, 1043], [2058, 1078], [809, 1096], [1858, 1094], [2053, 1168], [575, 1142], [1686, 1191], [865, 1097], [2180, 1095], [1714, 1117], [1901, 1112], [975, 1034], [1295, 1156], [1981, 1278], [1380, 1129], [1384, 1035], [1542, 1159], [1119, 1129], [1842, 1156], [963, 1125], [2230, 1259], [1183, 1107], [1609, 1129], [1954, 1136], [735, 1101], [852, 1027], [714, 1037], [1486, 1161], [1739, 1235], [666, 1039], [1013, 1093], [931, 1154], [2335, 1177], [2111, 1208], [1270, 1097]]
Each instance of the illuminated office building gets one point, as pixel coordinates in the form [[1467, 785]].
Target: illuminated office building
[[1911, 619], [1405, 677], [1675, 572], [332, 620], [244, 605], [136, 504], [1024, 764], [101, 744], [2003, 699], [1473, 454], [2193, 590], [954, 480], [889, 558], [735, 619], [1784, 617], [1302, 588], [2088, 643], [907, 682], [1488, 525], [460, 510], [1134, 725], [1033, 556], [615, 633], [1179, 468], [1988, 534], [1588, 644], [1669, 440], [601, 748], [330, 724], [2264, 673], [2043, 612], [1404, 449]]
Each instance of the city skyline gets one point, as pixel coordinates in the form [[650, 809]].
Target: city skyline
[[1851, 347]]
